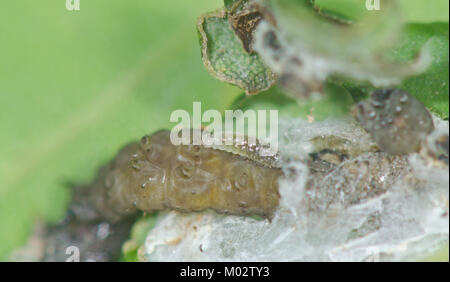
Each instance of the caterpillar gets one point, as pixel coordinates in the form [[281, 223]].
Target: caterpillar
[[155, 175]]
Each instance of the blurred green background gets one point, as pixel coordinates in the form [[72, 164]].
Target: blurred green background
[[75, 86]]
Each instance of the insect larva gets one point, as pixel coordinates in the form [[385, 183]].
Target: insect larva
[[160, 175], [153, 175]]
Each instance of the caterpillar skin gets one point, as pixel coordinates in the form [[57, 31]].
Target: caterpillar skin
[[156, 175]]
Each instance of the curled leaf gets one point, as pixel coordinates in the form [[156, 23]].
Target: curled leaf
[[244, 25], [225, 57]]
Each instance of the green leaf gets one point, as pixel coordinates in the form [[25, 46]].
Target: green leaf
[[346, 10], [432, 86], [411, 10], [234, 5], [130, 249], [336, 102], [424, 11], [76, 86], [225, 58]]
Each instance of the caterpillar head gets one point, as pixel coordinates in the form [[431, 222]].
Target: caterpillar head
[[396, 120]]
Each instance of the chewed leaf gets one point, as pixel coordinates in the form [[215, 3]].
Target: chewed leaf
[[225, 58]]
